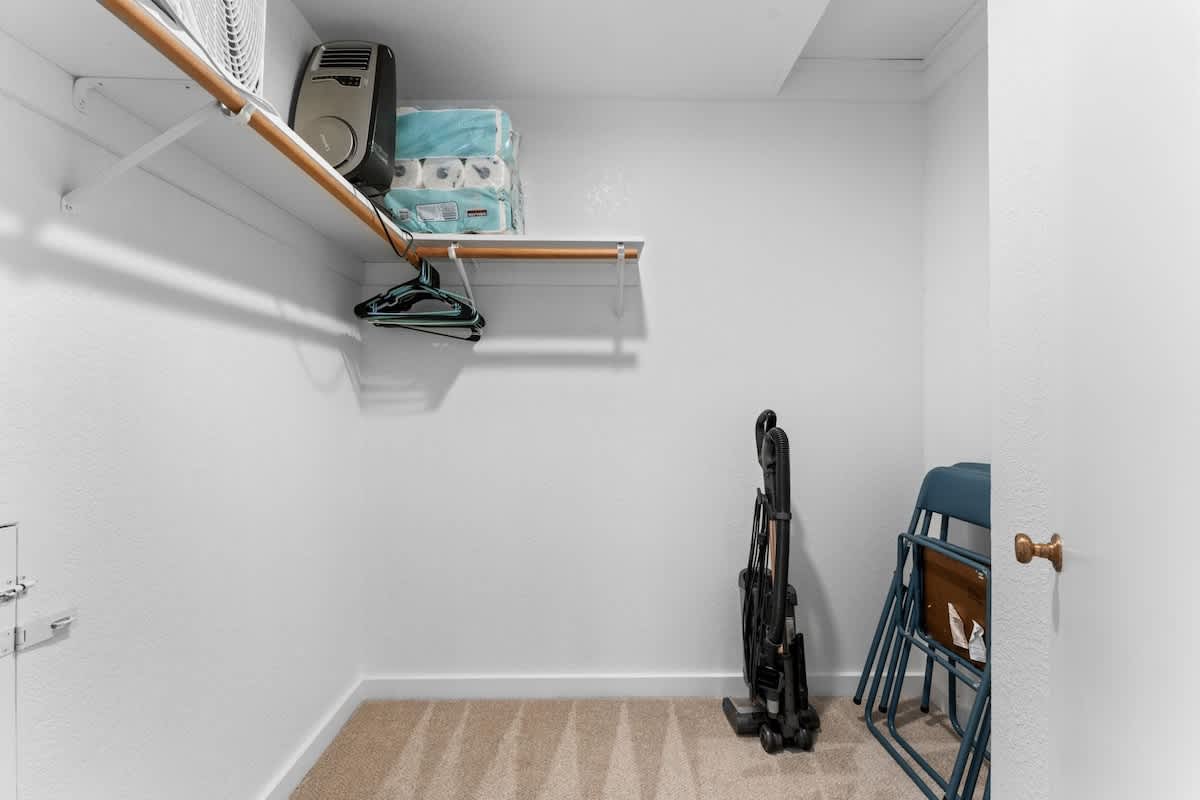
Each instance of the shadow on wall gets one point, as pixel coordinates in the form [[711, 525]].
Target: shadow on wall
[[246, 281], [814, 614], [224, 279], [528, 326]]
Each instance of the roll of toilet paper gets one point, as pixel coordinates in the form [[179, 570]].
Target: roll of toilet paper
[[408, 174], [486, 173], [442, 173]]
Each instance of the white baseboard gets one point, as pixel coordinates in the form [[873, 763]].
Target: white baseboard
[[513, 686], [306, 756], [608, 684]]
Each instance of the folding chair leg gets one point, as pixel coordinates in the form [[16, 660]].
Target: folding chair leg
[[905, 608], [973, 725], [889, 601], [952, 700], [944, 534], [899, 667], [869, 717], [880, 669], [898, 615], [977, 758], [928, 688]]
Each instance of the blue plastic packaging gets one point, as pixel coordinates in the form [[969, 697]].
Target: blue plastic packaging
[[455, 132]]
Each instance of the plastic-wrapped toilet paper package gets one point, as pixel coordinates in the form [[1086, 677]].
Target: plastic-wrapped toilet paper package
[[516, 204], [450, 211], [442, 173], [408, 174], [467, 162], [457, 132], [486, 173]]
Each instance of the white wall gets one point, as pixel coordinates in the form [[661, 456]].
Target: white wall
[[180, 446], [955, 333], [573, 494]]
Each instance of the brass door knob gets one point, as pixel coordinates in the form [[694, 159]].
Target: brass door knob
[[1027, 550]]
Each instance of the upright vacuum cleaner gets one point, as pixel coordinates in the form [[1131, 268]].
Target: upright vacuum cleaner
[[777, 709]]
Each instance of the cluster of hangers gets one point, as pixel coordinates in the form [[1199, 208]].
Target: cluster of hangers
[[421, 304]]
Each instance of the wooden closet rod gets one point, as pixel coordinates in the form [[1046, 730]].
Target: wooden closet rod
[[524, 253], [145, 25]]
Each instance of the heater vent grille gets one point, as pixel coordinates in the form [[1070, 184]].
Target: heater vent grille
[[345, 58]]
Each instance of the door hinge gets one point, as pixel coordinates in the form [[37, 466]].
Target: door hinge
[[35, 632]]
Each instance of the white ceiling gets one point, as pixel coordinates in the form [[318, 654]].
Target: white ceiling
[[471, 49], [468, 49], [892, 29]]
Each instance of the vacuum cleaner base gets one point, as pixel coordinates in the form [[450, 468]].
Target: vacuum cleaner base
[[745, 716], [749, 717]]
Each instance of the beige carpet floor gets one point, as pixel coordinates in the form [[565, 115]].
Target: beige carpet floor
[[635, 749]]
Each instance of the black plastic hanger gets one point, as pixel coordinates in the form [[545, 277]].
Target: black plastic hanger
[[422, 305]]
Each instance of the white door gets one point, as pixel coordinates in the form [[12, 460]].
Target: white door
[[1094, 123], [8, 665]]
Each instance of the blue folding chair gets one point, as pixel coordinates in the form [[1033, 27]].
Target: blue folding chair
[[910, 627], [963, 492]]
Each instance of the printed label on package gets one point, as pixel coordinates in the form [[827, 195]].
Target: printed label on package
[[438, 212]]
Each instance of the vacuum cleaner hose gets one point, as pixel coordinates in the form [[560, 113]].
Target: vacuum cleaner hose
[[777, 478]]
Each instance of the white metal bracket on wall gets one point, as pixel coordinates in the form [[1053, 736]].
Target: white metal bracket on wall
[[452, 252], [42, 629], [82, 88], [35, 632], [72, 199], [620, 279]]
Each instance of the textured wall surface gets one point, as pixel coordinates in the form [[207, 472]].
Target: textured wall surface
[[583, 484], [1025, 64], [1095, 187], [180, 446]]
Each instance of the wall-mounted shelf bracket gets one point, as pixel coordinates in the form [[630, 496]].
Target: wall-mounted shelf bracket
[[35, 632], [42, 629], [82, 87], [71, 200], [620, 279], [452, 252]]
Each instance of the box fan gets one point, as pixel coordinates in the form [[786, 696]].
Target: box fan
[[232, 33]]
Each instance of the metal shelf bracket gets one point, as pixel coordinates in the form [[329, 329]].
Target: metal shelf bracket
[[83, 86], [452, 252], [620, 279]]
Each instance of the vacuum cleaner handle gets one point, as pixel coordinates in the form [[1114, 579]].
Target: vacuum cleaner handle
[[764, 423]]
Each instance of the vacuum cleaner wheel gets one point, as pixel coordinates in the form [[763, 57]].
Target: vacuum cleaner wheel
[[770, 737]]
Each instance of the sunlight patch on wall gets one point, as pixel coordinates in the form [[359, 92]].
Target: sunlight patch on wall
[[179, 277], [11, 225]]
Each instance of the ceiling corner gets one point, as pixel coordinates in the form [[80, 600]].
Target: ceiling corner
[[805, 28]]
